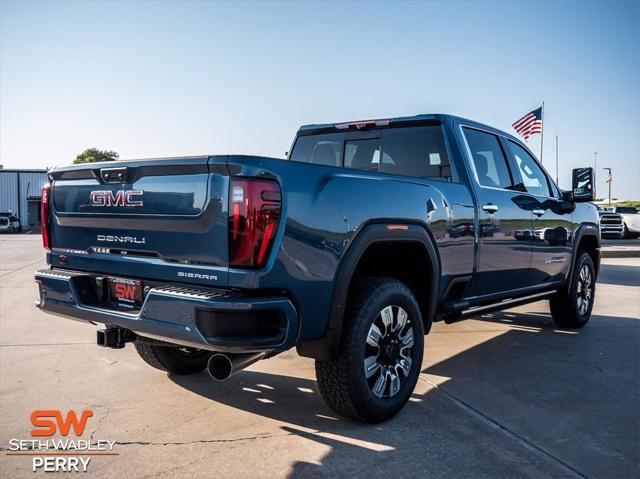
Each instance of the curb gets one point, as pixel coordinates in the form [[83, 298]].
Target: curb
[[619, 253]]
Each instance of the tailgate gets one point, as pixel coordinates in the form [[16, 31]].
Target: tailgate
[[163, 219]]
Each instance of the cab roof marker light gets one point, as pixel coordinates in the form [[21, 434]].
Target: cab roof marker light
[[359, 125]]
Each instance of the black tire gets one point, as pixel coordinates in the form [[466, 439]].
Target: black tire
[[173, 359], [343, 382], [567, 306]]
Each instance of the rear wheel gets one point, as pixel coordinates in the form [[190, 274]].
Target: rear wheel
[[571, 307], [380, 356], [173, 359]]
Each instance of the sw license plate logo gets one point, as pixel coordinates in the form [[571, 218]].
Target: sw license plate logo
[[125, 292]]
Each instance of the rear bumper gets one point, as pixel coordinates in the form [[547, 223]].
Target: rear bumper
[[217, 320]]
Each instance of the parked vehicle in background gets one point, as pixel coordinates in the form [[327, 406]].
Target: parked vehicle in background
[[348, 251], [611, 225], [630, 220], [9, 223]]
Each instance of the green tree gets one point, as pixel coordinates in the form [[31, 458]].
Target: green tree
[[93, 155]]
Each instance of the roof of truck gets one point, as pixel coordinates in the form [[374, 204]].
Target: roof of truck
[[381, 122], [422, 117]]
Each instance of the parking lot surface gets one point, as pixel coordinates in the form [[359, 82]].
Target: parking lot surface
[[505, 394]]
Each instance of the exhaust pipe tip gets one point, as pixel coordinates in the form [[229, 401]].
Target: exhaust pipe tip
[[220, 367]]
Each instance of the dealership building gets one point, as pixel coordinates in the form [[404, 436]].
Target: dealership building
[[20, 195]]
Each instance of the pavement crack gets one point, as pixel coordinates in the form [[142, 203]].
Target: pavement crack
[[200, 441], [505, 430], [20, 268], [102, 418], [587, 363]]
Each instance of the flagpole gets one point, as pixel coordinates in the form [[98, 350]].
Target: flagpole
[[541, 131]]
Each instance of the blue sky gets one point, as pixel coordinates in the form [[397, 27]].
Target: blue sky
[[178, 78]]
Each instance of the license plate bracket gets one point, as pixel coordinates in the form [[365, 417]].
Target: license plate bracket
[[125, 293]]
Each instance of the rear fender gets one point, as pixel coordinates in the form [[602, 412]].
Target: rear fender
[[585, 230], [373, 233]]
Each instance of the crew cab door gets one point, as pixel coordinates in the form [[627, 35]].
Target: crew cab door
[[505, 223], [551, 233]]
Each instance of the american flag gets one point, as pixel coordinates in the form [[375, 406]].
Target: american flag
[[529, 124], [610, 177]]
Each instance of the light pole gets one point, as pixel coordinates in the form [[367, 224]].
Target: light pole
[[595, 168], [609, 180]]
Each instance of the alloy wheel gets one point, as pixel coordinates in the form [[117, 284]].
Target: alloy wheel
[[388, 351], [585, 290]]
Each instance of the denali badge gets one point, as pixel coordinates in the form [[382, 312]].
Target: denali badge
[[120, 239], [117, 198]]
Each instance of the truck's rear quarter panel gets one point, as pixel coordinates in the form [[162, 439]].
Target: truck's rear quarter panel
[[324, 209]]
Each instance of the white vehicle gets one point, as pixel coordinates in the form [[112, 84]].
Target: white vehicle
[[630, 220], [9, 223]]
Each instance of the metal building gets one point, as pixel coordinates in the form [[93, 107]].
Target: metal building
[[20, 195]]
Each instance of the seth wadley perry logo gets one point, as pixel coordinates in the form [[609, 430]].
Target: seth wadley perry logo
[[49, 454]]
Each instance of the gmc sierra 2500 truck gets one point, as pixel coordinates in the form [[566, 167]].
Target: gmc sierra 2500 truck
[[348, 250]]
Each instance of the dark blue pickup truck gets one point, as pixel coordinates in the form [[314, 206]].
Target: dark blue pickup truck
[[348, 250]]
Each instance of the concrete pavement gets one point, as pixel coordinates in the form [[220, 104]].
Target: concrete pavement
[[621, 248], [506, 394]]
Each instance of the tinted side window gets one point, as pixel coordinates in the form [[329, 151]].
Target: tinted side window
[[319, 149], [533, 178], [626, 210], [415, 151], [488, 159]]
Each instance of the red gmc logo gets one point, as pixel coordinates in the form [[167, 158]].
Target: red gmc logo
[[115, 198]]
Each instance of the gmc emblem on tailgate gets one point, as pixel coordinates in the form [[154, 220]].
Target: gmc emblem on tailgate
[[117, 198]]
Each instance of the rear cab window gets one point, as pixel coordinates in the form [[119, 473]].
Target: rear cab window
[[416, 151], [323, 149]]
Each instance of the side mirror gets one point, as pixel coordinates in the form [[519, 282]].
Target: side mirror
[[582, 184]]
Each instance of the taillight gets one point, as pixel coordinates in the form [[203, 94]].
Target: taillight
[[44, 215], [254, 214]]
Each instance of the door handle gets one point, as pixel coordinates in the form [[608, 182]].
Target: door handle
[[539, 211], [490, 208]]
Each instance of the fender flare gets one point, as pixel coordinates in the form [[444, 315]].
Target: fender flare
[[374, 232], [585, 229]]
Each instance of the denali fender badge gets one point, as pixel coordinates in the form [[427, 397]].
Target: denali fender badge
[[121, 239], [116, 198]]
